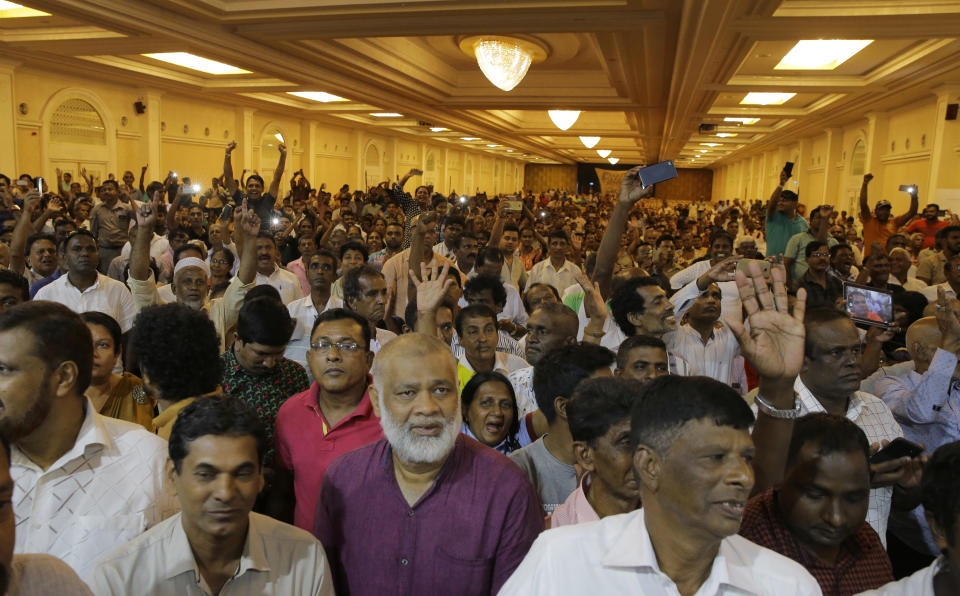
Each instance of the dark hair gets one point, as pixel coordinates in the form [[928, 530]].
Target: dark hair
[[559, 370], [838, 247], [464, 236], [721, 235], [264, 321], [339, 314], [230, 257], [832, 434], [62, 221], [789, 195], [255, 177], [481, 283], [511, 227], [77, 233], [220, 416], [267, 236], [598, 404], [116, 185], [558, 234], [553, 290], [179, 348], [637, 341], [351, 281], [940, 488], [469, 392], [17, 281], [820, 316], [473, 310], [354, 245], [93, 317], [37, 237], [177, 254], [59, 335], [626, 300], [813, 246], [569, 318], [453, 220], [262, 291], [913, 303], [489, 254], [663, 238], [666, 403]]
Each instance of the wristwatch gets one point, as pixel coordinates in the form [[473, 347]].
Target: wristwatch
[[765, 407]]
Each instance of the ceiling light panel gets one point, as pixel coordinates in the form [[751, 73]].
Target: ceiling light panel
[[386, 115], [11, 10], [198, 63], [321, 96], [821, 54], [742, 120], [761, 98]]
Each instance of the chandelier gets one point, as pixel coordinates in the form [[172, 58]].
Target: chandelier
[[589, 142], [503, 60]]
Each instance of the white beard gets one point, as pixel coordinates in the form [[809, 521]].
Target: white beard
[[417, 449]]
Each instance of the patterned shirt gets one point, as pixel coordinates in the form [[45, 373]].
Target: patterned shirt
[[264, 393], [411, 209], [862, 564]]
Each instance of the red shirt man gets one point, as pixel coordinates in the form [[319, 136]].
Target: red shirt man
[[929, 225]]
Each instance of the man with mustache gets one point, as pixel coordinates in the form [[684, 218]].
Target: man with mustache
[[425, 510], [706, 344], [365, 292]]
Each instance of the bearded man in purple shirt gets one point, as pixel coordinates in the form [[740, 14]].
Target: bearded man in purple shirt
[[426, 510]]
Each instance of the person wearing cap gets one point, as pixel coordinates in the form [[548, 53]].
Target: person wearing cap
[[191, 274], [878, 226], [783, 221]]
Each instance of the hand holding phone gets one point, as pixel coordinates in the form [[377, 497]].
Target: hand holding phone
[[788, 169], [896, 449]]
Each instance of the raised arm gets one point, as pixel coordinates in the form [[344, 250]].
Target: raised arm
[[864, 202], [228, 180], [775, 195], [21, 232], [912, 211], [172, 222], [278, 173], [140, 251], [418, 249], [631, 191], [430, 293], [247, 226], [143, 172]]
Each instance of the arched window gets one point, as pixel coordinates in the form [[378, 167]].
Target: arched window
[[858, 159], [77, 121]]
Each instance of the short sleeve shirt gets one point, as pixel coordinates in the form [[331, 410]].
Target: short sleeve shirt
[[780, 229]]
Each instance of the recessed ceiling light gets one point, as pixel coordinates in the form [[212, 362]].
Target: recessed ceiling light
[[469, 138], [589, 142], [437, 129], [742, 120], [710, 144], [763, 98], [321, 96], [9, 10], [491, 145], [509, 150], [603, 153], [724, 135], [386, 115], [702, 150], [821, 54], [194, 62]]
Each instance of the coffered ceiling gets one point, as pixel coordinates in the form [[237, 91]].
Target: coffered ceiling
[[645, 73]]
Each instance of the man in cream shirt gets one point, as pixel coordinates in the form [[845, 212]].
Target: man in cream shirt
[[217, 545]]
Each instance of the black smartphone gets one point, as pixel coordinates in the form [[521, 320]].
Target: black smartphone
[[910, 188], [788, 168], [867, 305], [896, 449], [659, 172]]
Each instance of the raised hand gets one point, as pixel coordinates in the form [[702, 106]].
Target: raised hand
[[415, 172], [231, 146], [433, 288], [867, 178], [948, 323], [774, 345], [631, 189], [425, 222], [282, 148], [147, 212], [247, 220], [593, 305], [723, 270]]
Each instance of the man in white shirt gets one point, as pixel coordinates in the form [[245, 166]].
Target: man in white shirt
[[83, 288], [556, 270], [83, 482], [708, 346], [550, 326], [217, 545], [452, 229], [321, 271], [692, 459], [365, 292], [268, 272], [952, 272]]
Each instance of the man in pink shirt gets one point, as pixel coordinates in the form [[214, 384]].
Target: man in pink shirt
[[598, 415], [331, 418]]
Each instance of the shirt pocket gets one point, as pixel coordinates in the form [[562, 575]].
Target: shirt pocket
[[101, 534], [470, 576]]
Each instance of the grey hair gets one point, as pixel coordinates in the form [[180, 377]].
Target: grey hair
[[408, 347]]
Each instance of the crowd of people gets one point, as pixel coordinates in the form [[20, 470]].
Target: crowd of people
[[227, 390]]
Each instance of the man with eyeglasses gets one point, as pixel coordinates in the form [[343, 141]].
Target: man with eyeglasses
[[332, 417], [822, 289]]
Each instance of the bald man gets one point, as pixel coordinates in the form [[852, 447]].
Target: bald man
[[425, 497]]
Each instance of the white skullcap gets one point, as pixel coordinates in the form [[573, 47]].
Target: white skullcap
[[192, 262]]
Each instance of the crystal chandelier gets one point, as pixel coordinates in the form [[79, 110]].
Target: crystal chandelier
[[503, 60], [564, 119]]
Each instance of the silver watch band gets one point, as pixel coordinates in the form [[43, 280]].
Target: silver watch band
[[768, 409]]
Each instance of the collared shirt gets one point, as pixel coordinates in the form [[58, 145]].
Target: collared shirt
[[222, 311], [307, 444], [443, 250], [862, 563], [522, 381], [615, 556], [106, 295], [39, 575], [686, 281], [714, 358], [110, 225], [930, 292], [797, 250], [104, 491], [930, 267], [285, 282], [503, 364], [304, 313], [505, 344], [276, 559], [780, 229], [576, 509], [465, 535], [515, 273], [513, 310], [817, 295], [395, 273], [264, 393], [296, 267], [876, 421], [918, 584], [545, 273]]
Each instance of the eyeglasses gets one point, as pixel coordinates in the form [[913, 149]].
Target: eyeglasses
[[820, 254], [219, 261], [344, 345]]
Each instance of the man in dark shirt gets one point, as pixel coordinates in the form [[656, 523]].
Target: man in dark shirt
[[426, 510], [822, 288], [254, 369], [818, 515], [261, 202]]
